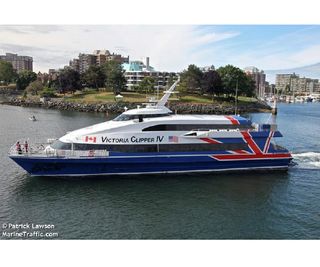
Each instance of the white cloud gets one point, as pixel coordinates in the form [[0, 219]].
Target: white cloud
[[213, 37], [169, 47], [309, 55]]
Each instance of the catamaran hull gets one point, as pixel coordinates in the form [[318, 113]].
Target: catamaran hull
[[129, 165]]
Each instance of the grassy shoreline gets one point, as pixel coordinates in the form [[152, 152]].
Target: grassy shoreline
[[100, 97], [104, 101]]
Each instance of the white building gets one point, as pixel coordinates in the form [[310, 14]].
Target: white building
[[136, 71]]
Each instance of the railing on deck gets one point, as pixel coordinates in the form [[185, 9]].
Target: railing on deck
[[79, 153], [265, 127], [39, 150], [31, 149]]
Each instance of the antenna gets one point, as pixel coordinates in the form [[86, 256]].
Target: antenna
[[236, 100], [167, 94]]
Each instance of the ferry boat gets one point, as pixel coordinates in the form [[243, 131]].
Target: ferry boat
[[151, 139]]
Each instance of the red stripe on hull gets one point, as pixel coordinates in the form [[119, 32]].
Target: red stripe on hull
[[247, 137], [211, 141], [250, 156], [241, 151], [233, 120]]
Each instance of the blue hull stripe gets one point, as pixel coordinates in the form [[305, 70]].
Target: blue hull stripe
[[140, 164]]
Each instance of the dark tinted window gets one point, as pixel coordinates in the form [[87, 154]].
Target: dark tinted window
[[200, 147], [189, 127], [150, 148], [161, 147], [125, 117], [61, 145]]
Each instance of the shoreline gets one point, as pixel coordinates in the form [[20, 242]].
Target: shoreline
[[118, 107]]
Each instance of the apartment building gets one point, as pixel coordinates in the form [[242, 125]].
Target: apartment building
[[19, 63], [287, 83], [85, 61], [98, 57], [75, 64], [259, 77], [136, 71]]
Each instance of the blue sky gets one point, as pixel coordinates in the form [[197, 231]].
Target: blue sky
[[267, 47], [171, 48]]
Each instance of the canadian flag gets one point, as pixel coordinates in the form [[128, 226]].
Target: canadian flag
[[91, 139]]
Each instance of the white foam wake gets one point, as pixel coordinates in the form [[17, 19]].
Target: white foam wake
[[307, 160]]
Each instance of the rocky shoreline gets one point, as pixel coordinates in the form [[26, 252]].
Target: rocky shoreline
[[181, 108]]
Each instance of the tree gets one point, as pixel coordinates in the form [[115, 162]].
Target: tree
[[147, 85], [34, 87], [7, 73], [114, 76], [25, 77], [54, 84], [47, 92], [94, 77], [191, 80], [211, 83], [232, 78], [69, 80]]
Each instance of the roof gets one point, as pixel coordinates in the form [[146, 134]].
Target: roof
[[148, 110]]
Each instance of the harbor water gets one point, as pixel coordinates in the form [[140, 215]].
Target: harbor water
[[247, 205]]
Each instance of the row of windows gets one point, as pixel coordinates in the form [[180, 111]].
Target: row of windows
[[150, 148], [125, 117], [189, 127]]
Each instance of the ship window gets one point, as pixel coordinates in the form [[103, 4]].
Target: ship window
[[191, 134], [61, 145], [200, 147], [190, 127], [125, 117], [151, 148]]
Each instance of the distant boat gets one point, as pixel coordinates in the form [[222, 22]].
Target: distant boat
[[32, 118], [288, 100], [309, 99], [299, 99]]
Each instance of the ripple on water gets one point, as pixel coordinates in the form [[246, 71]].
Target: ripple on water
[[207, 206]]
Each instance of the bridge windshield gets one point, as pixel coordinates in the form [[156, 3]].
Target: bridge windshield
[[126, 117]]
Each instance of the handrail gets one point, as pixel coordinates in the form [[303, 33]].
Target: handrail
[[39, 150]]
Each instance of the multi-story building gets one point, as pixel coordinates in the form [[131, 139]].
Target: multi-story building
[[270, 89], [98, 57], [136, 71], [74, 64], [19, 63], [283, 82], [118, 58], [316, 87], [43, 77], [288, 83], [259, 77], [101, 56], [54, 73], [85, 61]]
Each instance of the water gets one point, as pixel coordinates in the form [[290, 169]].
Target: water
[[273, 205]]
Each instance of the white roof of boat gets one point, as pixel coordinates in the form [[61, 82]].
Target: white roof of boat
[[192, 119], [148, 110], [135, 126]]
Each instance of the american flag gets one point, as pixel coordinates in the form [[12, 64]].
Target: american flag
[[173, 139], [91, 139]]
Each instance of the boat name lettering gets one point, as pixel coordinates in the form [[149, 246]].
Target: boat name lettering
[[105, 139], [133, 139]]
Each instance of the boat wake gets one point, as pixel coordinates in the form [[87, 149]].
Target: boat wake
[[307, 160]]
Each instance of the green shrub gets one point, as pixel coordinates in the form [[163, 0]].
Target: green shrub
[[48, 92]]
